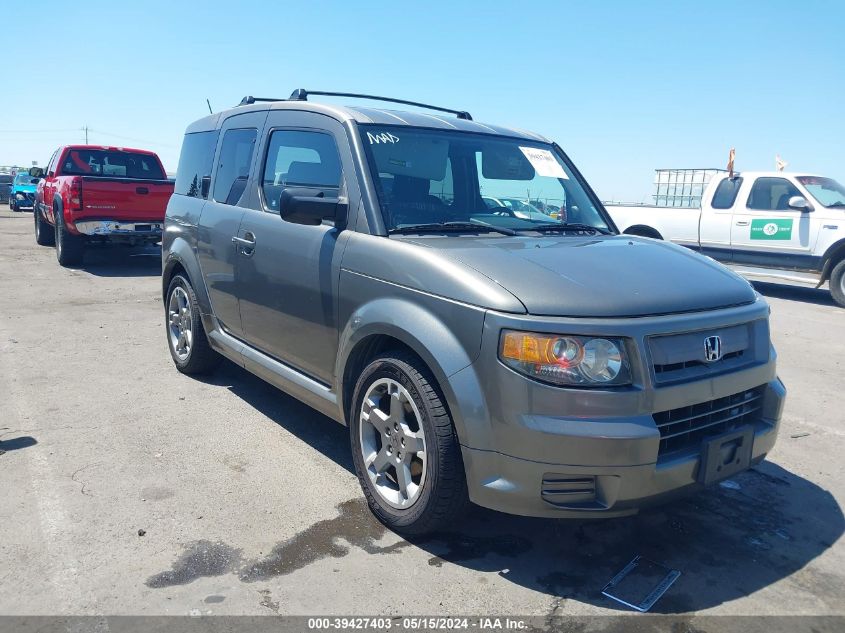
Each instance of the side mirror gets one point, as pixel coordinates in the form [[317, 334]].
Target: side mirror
[[36, 172], [800, 203], [300, 206], [205, 185]]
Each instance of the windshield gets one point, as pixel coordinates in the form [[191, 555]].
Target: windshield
[[24, 178], [826, 191], [434, 177], [99, 162]]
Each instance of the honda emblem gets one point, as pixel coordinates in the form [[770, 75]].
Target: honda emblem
[[712, 349]]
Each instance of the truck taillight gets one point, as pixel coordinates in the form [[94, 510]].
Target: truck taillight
[[76, 193]]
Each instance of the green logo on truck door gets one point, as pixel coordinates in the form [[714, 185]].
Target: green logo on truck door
[[771, 229]]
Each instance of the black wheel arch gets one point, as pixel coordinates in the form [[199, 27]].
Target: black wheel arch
[[832, 256], [362, 353]]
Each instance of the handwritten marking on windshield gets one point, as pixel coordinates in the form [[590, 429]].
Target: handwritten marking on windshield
[[384, 137]]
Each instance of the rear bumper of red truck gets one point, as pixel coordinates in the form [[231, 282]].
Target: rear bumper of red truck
[[120, 229]]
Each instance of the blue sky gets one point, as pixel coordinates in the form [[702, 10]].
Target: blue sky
[[625, 87]]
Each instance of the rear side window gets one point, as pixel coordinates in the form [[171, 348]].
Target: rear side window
[[726, 192], [771, 194], [195, 163], [300, 159], [233, 165], [115, 163]]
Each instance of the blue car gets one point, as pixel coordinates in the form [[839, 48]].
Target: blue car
[[22, 195]]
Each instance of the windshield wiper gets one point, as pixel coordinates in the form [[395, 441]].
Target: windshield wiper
[[567, 226], [838, 203], [451, 227]]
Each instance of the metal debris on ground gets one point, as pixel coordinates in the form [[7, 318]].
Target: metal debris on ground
[[640, 584], [795, 436]]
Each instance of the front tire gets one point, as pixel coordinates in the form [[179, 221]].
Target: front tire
[[837, 283], [12, 206], [70, 249], [45, 235], [186, 337], [404, 446]]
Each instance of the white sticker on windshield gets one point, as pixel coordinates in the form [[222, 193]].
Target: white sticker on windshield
[[544, 162]]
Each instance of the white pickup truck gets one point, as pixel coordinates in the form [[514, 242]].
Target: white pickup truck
[[770, 226]]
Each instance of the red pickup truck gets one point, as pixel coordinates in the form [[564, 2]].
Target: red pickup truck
[[94, 193]]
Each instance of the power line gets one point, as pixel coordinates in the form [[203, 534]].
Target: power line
[[129, 138], [90, 130], [37, 131]]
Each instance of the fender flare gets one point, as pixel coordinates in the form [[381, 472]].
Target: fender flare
[[431, 339], [180, 253]]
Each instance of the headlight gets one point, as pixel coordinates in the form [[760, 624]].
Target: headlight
[[19, 196], [566, 360]]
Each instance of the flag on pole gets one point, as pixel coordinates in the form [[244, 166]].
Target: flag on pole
[[780, 163], [731, 156]]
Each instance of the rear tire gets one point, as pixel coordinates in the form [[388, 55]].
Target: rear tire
[[186, 337], [837, 283], [397, 410], [70, 249], [45, 235], [12, 206]]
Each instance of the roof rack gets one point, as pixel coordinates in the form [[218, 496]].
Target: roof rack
[[250, 100], [302, 95]]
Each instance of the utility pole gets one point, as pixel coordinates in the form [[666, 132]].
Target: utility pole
[[85, 128]]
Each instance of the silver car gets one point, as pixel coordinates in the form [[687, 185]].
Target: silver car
[[558, 369]]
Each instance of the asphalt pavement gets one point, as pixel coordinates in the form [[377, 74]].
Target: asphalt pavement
[[128, 488]]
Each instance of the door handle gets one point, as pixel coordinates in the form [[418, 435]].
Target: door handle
[[245, 245], [742, 223]]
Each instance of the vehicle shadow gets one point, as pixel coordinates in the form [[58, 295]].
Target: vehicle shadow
[[122, 261], [17, 443], [318, 431], [727, 542], [803, 294]]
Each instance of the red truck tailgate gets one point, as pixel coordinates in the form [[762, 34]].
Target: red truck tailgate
[[105, 197]]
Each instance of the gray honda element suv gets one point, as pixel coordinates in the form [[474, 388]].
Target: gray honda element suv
[[362, 260]]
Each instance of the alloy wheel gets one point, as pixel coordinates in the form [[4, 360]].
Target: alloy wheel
[[392, 442], [180, 317]]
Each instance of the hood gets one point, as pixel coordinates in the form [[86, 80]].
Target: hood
[[605, 276], [23, 188]]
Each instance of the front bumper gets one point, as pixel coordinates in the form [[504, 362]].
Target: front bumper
[[120, 228], [24, 200], [521, 486], [538, 450]]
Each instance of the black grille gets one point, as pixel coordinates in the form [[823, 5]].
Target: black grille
[[681, 357], [683, 428], [663, 369]]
